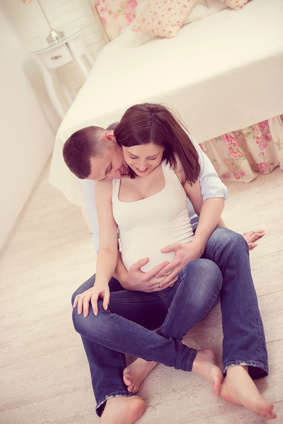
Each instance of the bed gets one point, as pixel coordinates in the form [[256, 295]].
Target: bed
[[223, 74]]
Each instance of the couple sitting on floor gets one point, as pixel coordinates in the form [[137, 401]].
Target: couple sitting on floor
[[156, 189]]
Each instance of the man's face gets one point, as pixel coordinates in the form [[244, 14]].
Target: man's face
[[111, 166]]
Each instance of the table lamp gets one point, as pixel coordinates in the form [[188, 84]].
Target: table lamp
[[54, 35]]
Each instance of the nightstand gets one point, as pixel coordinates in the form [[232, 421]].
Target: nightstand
[[54, 55]]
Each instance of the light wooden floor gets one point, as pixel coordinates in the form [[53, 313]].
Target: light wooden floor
[[44, 372]]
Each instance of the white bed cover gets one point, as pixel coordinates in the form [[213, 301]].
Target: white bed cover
[[222, 73]]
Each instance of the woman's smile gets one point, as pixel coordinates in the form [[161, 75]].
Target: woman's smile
[[140, 171]]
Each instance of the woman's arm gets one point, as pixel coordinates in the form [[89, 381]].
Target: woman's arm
[[107, 254], [108, 251]]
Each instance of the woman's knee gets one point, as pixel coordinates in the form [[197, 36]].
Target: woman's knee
[[91, 326], [85, 286]]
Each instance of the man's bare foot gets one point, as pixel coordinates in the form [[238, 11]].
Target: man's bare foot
[[123, 410], [239, 388], [252, 236], [135, 373], [205, 366]]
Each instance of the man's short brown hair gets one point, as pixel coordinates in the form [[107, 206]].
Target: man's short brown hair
[[80, 147]]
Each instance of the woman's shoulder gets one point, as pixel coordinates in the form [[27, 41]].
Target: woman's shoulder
[[103, 186], [103, 183]]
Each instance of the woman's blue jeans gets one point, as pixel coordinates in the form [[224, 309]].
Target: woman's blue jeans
[[127, 327]]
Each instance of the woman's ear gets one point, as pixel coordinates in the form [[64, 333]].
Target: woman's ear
[[109, 137]]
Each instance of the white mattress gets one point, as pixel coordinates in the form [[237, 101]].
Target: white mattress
[[222, 73]]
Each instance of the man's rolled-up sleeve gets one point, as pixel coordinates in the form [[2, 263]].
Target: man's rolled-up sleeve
[[211, 184]]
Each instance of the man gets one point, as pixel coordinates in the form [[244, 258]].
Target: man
[[107, 163]]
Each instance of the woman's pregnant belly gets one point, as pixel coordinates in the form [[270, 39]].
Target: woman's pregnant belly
[[142, 243]]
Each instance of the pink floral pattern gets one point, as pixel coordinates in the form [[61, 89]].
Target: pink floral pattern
[[116, 15], [241, 155], [235, 4], [163, 17]]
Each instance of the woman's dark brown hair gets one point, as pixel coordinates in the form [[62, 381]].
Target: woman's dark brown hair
[[145, 123]]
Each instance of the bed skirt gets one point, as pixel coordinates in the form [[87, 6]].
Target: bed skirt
[[244, 154]]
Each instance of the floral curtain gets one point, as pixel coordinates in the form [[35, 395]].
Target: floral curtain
[[241, 155]]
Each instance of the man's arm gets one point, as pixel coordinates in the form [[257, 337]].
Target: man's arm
[[210, 183], [209, 212]]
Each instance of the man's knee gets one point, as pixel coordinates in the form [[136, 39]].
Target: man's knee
[[226, 238]]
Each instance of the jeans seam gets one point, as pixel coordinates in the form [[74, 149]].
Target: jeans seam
[[181, 276]]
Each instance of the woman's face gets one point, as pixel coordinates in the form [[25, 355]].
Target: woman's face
[[144, 158]]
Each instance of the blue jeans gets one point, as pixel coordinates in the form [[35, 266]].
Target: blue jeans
[[243, 333], [127, 327]]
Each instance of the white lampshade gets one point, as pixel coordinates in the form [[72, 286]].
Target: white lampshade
[[54, 36]]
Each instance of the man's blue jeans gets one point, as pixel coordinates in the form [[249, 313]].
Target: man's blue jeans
[[126, 328]]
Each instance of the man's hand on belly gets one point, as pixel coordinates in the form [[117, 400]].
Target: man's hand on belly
[[184, 253]]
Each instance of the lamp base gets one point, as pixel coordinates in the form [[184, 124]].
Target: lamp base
[[55, 36]]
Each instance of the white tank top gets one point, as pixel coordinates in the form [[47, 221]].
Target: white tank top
[[147, 225]]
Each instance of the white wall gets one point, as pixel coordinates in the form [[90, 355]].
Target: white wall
[[27, 136], [28, 121]]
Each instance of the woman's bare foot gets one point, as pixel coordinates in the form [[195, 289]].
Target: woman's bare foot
[[123, 410], [239, 388], [252, 236], [205, 366], [135, 373]]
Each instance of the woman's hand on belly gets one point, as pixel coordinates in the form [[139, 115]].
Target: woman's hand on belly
[[138, 280]]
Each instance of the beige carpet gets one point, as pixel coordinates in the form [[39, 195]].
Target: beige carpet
[[44, 372]]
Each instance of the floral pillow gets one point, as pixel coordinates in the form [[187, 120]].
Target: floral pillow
[[163, 18], [235, 4], [116, 14]]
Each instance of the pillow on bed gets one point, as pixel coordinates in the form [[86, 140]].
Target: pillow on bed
[[116, 14], [235, 4], [163, 18]]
